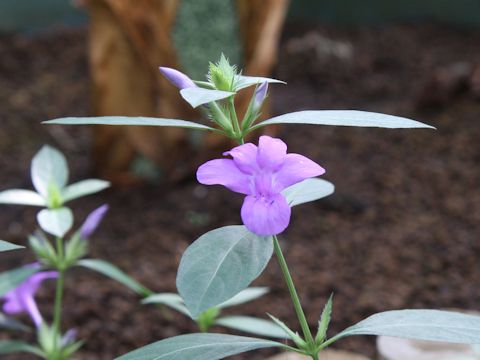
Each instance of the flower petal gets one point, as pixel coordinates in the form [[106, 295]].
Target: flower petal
[[266, 216], [296, 168], [177, 78], [92, 221], [245, 157], [224, 172], [271, 153]]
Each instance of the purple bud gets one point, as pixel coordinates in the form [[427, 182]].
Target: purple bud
[[260, 95], [92, 221], [69, 337], [177, 78]]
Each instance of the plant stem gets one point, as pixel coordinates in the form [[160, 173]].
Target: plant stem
[[293, 294], [236, 124], [57, 315]]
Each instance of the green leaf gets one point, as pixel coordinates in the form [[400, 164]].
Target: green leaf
[[49, 166], [196, 96], [430, 325], [344, 118], [56, 222], [113, 272], [198, 347], [6, 246], [9, 323], [244, 296], [219, 265], [252, 325], [83, 188], [21, 197], [9, 280], [242, 81], [308, 190], [13, 346], [169, 299], [324, 321], [127, 120], [291, 334]]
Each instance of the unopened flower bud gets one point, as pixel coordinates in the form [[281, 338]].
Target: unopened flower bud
[[177, 78], [259, 96]]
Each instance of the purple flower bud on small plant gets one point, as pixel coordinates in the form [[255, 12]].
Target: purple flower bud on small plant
[[261, 172], [92, 221], [177, 78], [69, 337], [259, 96], [22, 298]]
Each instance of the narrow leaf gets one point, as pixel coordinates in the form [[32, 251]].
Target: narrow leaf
[[198, 347], [56, 222], [252, 325], [83, 188], [291, 334], [308, 190], [49, 166], [6, 246], [432, 325], [9, 323], [324, 321], [219, 265], [242, 81], [344, 118], [9, 280], [169, 299], [127, 120], [196, 96], [13, 346], [113, 272], [244, 296], [21, 197]]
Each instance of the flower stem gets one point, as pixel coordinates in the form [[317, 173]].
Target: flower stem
[[57, 314], [293, 294], [236, 124]]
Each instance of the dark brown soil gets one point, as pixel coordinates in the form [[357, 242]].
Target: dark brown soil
[[401, 230]]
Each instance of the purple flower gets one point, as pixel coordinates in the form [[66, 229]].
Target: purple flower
[[21, 299], [259, 96], [177, 78], [92, 221], [261, 173]]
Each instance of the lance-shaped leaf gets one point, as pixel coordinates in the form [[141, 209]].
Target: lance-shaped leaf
[[308, 190], [49, 167], [56, 222], [219, 265], [324, 321], [196, 96], [105, 268], [252, 325], [83, 188], [13, 346], [431, 325], [9, 280], [9, 323], [244, 296], [21, 197], [242, 81], [127, 120], [344, 118], [198, 347], [172, 300], [6, 246]]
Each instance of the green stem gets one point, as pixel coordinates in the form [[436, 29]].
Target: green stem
[[57, 314], [236, 124], [293, 294]]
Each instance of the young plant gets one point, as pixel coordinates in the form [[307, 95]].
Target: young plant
[[223, 262]]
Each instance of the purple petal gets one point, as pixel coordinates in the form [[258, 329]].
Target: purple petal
[[92, 221], [296, 168], [69, 337], [32, 309], [266, 216], [245, 157], [224, 172], [271, 153], [259, 96], [177, 78]]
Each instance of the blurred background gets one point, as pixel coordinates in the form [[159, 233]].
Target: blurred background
[[402, 229]]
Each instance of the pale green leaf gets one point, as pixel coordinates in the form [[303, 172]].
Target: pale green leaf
[[83, 188], [172, 300], [13, 346], [56, 222], [291, 334], [344, 118], [21, 197], [198, 347], [9, 280], [127, 120], [242, 81], [308, 190], [219, 265], [324, 321], [6, 246], [49, 166], [9, 323], [252, 325], [430, 325], [196, 96], [105, 268], [244, 296]]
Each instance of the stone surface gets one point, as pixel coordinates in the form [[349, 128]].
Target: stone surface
[[324, 355]]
